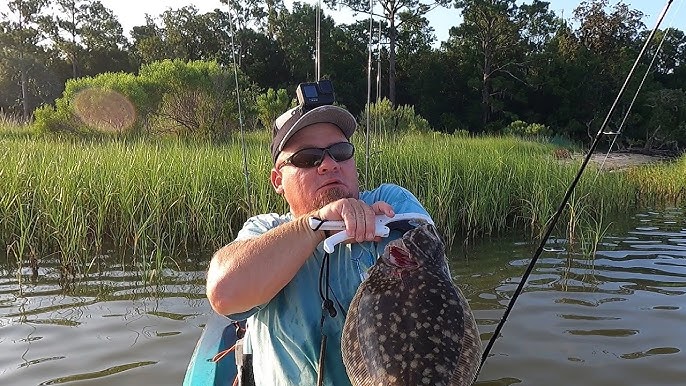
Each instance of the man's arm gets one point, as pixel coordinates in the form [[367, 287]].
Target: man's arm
[[250, 272], [247, 273]]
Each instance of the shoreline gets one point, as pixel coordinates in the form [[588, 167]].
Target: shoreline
[[620, 160]]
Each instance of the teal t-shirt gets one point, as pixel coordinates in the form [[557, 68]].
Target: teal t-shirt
[[284, 334]]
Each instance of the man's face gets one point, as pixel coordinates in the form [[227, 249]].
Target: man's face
[[308, 189]]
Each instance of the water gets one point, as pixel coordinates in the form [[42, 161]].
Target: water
[[613, 320]]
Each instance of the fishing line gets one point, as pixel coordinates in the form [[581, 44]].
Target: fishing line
[[570, 190], [244, 148], [369, 92], [327, 307], [318, 58], [377, 124]]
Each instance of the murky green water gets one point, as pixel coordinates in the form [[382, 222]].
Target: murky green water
[[617, 319]]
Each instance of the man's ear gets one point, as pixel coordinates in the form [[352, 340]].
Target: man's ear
[[277, 181]]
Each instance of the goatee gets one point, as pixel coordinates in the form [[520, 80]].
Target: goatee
[[329, 196]]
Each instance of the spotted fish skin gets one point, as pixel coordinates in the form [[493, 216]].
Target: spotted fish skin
[[408, 324]]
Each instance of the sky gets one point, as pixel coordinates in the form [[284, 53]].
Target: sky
[[132, 12]]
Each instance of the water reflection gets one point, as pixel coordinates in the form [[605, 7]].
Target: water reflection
[[615, 319], [112, 327], [612, 320]]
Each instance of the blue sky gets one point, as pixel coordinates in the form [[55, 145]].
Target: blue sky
[[132, 12]]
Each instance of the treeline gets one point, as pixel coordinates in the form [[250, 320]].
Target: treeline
[[505, 63]]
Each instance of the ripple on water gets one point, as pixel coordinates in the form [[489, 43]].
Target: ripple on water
[[609, 332], [651, 352], [40, 360], [669, 308], [171, 315], [588, 303], [56, 322], [97, 374], [587, 317]]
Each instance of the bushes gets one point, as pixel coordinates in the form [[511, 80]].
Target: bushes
[[193, 99], [523, 129], [197, 99], [270, 105], [109, 102], [384, 118]]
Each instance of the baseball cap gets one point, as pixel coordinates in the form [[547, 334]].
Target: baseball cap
[[290, 122]]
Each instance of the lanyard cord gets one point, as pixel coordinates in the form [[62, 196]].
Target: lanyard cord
[[568, 194], [327, 307], [324, 289]]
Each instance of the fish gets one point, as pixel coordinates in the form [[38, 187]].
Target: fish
[[408, 323]]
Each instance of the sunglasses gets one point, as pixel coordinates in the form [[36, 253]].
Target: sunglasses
[[313, 156]]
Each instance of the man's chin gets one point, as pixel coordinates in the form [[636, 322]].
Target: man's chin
[[330, 195]]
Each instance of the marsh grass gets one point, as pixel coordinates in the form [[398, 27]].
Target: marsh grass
[[486, 185], [661, 183], [155, 198], [160, 198], [13, 126]]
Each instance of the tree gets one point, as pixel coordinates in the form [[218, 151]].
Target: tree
[[343, 53], [261, 59], [544, 39], [346, 49], [538, 25], [20, 48], [608, 45], [666, 128], [391, 13], [248, 13], [106, 49], [296, 35], [65, 30], [184, 34], [670, 64], [417, 63], [606, 33], [489, 36], [86, 32]]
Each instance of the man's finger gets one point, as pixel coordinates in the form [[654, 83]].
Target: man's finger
[[381, 207]]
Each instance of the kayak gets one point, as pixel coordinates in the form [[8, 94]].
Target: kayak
[[218, 335]]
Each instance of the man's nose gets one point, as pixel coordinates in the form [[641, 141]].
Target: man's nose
[[328, 163]]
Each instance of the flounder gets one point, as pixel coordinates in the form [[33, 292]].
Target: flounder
[[408, 324]]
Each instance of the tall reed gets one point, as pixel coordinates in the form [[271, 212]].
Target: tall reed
[[477, 185], [158, 198]]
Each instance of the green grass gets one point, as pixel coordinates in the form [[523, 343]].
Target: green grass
[[12, 126], [158, 198]]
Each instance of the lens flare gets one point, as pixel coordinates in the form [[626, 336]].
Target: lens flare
[[105, 110]]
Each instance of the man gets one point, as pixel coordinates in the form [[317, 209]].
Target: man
[[271, 273]]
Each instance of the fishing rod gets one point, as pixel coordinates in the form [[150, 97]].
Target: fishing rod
[[244, 148], [568, 194]]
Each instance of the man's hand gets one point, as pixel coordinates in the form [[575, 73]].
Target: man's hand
[[357, 215]]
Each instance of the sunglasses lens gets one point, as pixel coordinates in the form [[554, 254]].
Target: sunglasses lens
[[311, 157], [342, 151], [307, 158]]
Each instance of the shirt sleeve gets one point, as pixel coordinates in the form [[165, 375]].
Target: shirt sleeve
[[260, 224], [401, 199]]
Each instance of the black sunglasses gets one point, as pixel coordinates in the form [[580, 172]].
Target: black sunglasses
[[313, 156]]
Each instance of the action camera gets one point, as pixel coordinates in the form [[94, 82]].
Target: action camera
[[315, 94]]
